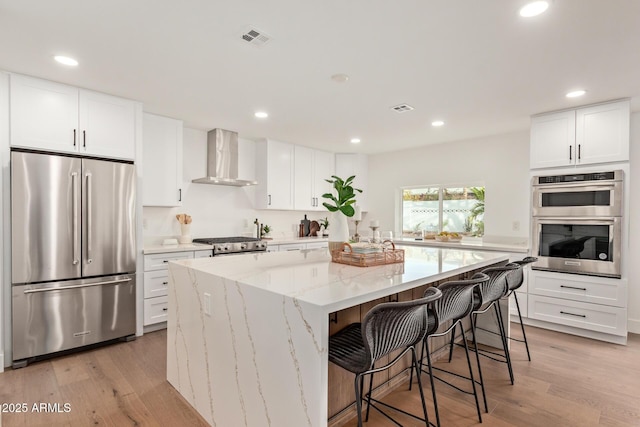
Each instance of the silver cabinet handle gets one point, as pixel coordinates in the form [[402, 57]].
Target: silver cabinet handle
[[63, 288], [84, 139], [269, 203], [573, 287], [74, 185], [89, 218], [572, 314], [74, 137]]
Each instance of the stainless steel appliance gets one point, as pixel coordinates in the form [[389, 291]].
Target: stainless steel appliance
[[577, 221], [73, 252], [584, 194], [233, 245]]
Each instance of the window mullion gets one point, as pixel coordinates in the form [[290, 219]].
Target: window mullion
[[440, 207]]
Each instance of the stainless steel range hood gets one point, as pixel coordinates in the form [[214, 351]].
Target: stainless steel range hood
[[222, 160]]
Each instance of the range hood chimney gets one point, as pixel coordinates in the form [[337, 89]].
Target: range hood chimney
[[222, 160]]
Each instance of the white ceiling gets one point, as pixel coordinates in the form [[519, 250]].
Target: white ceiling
[[476, 64]]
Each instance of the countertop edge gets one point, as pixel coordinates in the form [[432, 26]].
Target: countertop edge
[[187, 247]]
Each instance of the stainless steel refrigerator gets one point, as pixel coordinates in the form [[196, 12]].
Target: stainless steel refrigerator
[[73, 252]]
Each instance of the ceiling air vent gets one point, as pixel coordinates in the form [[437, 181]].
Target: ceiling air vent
[[255, 37], [402, 108]]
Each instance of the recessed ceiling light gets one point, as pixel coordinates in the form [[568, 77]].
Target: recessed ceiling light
[[65, 60], [355, 140], [340, 78], [534, 8], [261, 114], [437, 123], [576, 93]]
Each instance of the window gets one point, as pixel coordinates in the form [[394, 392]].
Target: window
[[438, 208]]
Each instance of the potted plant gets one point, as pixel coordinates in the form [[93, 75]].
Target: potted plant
[[340, 205], [324, 223]]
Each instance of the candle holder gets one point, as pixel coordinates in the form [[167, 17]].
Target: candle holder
[[375, 233]]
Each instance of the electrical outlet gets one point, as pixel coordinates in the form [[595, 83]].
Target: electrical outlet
[[515, 225], [207, 304]]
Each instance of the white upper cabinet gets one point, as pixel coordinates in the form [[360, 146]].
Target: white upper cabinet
[[594, 134], [108, 125], [311, 168], [55, 117], [44, 115], [162, 161], [358, 165], [602, 133], [274, 173]]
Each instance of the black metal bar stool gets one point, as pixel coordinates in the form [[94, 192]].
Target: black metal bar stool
[[385, 328], [514, 281], [486, 296], [455, 305]]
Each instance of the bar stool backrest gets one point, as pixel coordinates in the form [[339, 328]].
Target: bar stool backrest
[[395, 325], [515, 278], [457, 300], [496, 287]]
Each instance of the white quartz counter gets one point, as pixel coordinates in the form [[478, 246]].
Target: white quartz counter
[[311, 277], [286, 240], [473, 244], [247, 336], [160, 249]]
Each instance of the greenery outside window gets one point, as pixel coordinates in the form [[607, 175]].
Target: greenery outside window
[[435, 209]]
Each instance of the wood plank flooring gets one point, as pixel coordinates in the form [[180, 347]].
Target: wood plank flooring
[[571, 381]]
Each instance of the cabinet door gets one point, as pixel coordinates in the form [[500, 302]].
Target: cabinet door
[[552, 140], [162, 161], [107, 125], [303, 198], [602, 133], [44, 115], [279, 175], [324, 168]]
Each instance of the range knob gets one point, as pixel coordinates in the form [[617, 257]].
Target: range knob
[[243, 246], [219, 248]]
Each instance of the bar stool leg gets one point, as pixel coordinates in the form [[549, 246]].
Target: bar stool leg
[[475, 346], [452, 343], [503, 335], [473, 381], [433, 386], [369, 396], [414, 362], [524, 335], [358, 389]]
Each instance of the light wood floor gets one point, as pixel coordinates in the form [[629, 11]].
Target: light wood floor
[[571, 381]]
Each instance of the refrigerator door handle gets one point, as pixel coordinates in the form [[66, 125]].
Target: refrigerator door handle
[[89, 259], [74, 184], [62, 288]]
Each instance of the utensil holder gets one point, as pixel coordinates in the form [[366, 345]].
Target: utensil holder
[[185, 230]]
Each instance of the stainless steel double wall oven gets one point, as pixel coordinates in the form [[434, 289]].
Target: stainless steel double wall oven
[[577, 221]]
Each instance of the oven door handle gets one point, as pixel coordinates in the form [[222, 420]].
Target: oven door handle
[[64, 288]]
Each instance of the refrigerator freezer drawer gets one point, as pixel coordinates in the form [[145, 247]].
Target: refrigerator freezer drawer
[[60, 316]]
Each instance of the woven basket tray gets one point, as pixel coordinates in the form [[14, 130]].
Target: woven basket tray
[[345, 255]]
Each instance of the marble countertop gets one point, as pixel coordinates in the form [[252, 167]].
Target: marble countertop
[[286, 240], [311, 277], [186, 247], [476, 244]]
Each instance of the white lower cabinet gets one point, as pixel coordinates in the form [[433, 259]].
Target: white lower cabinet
[[594, 317], [156, 282], [297, 246], [592, 304]]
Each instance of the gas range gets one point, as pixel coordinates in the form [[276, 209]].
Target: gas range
[[233, 245]]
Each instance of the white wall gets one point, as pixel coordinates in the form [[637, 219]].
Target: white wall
[[217, 211], [5, 213], [500, 163], [633, 181]]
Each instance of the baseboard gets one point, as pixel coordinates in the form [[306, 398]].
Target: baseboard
[[155, 327], [633, 325], [615, 339]]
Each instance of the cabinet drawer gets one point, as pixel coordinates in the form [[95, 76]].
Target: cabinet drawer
[[155, 283], [594, 317], [155, 310], [161, 261], [292, 247], [203, 253], [317, 245], [598, 290]]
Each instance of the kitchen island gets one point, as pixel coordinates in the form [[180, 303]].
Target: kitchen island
[[247, 335]]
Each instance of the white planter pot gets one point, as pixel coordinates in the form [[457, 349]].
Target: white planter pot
[[338, 230]]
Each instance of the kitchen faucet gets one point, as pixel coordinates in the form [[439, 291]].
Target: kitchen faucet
[[258, 228]]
